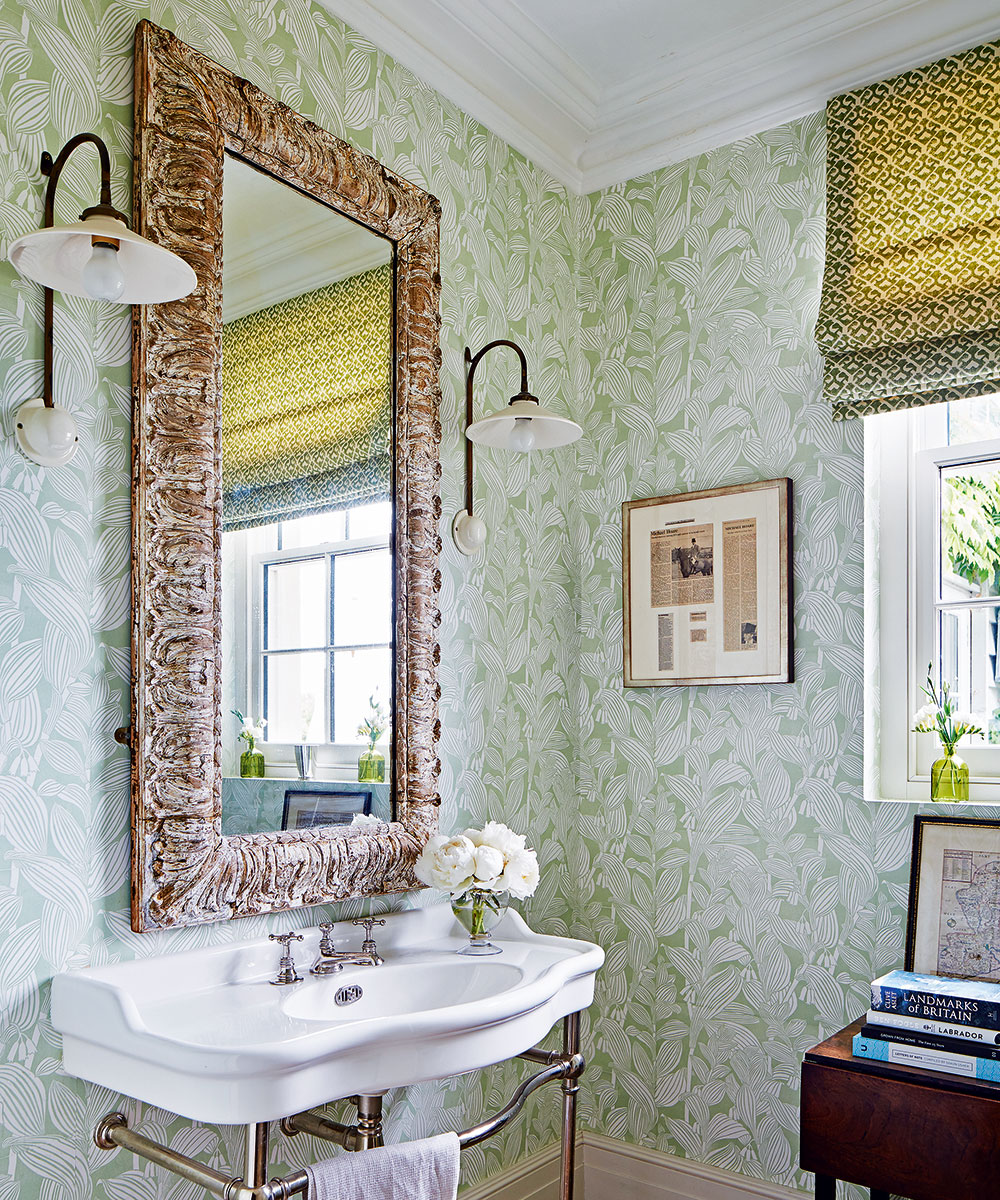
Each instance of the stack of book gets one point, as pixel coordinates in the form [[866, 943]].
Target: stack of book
[[950, 1025]]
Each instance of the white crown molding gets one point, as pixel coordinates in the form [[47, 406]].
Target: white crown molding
[[505, 73], [502, 68], [782, 77]]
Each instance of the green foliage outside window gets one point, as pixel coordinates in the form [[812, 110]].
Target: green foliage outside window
[[970, 529]]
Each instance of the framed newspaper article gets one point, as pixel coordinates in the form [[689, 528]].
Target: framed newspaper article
[[706, 587], [954, 911]]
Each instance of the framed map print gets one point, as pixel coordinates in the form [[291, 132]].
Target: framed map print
[[953, 918], [706, 587]]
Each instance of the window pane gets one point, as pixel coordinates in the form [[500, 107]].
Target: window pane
[[296, 688], [362, 598], [970, 531], [969, 660], [304, 532], [357, 675], [296, 605], [974, 420], [370, 520]]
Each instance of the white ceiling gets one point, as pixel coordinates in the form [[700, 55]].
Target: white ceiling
[[598, 91]]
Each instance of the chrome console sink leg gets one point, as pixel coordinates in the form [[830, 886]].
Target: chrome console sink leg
[[255, 1154], [570, 1087]]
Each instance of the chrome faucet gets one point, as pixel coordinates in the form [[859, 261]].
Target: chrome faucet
[[368, 945], [331, 960], [286, 966]]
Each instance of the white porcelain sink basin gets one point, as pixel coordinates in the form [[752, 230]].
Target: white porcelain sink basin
[[203, 1033], [406, 988]]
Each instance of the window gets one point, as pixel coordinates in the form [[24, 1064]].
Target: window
[[932, 562], [314, 596]]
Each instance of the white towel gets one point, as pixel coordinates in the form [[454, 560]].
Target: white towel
[[426, 1169]]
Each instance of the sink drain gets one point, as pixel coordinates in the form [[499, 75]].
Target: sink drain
[[348, 995]]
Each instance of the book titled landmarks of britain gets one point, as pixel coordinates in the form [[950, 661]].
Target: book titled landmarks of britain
[[934, 998]]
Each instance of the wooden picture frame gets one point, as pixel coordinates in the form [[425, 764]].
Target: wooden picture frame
[[707, 585], [952, 914], [189, 112]]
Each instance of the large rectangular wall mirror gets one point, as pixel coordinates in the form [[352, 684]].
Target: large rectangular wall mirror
[[286, 503]]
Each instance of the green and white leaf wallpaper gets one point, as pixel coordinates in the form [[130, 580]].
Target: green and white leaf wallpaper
[[714, 841], [744, 891]]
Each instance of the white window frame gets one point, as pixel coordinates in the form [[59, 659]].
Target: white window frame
[[902, 550], [332, 759]]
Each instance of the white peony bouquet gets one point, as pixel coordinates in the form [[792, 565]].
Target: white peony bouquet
[[491, 859]]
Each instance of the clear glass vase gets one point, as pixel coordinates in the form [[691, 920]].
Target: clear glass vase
[[480, 912], [950, 778]]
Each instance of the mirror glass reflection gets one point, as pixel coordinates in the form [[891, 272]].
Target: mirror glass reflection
[[307, 373]]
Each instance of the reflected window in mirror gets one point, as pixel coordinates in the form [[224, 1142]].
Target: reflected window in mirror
[[310, 599]]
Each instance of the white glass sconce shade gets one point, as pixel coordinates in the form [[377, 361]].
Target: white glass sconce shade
[[509, 429], [46, 434], [61, 257]]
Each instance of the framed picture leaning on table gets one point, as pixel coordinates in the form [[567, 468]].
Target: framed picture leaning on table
[[953, 917]]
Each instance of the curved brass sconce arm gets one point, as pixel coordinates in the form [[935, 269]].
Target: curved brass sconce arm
[[471, 362]]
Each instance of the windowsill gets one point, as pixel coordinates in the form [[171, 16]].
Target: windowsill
[[936, 804], [281, 773], [336, 761], [924, 787]]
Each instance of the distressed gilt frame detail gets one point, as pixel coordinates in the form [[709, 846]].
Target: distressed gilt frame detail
[[188, 112]]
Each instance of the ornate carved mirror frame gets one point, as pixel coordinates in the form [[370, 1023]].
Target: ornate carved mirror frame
[[188, 112]]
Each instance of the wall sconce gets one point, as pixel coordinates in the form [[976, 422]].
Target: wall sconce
[[523, 425], [97, 256]]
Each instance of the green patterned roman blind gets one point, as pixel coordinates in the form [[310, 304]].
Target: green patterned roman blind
[[911, 294], [307, 403]]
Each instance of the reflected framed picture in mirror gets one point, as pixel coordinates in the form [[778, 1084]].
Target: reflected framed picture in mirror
[[309, 810]]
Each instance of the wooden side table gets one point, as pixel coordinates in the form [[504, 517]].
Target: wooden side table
[[893, 1129]]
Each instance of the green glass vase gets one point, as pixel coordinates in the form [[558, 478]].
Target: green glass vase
[[251, 765], [371, 767], [950, 778]]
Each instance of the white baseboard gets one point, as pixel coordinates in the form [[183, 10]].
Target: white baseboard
[[614, 1170], [608, 1169], [533, 1178]]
